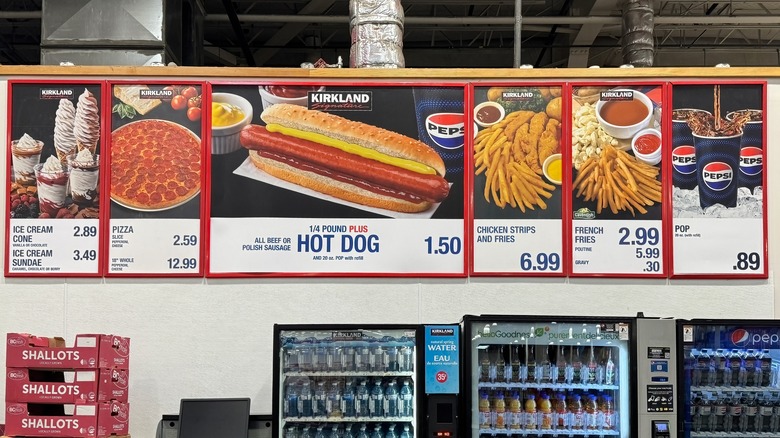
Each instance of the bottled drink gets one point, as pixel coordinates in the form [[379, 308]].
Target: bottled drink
[[506, 376], [348, 405], [320, 356], [333, 402], [515, 419], [764, 416], [561, 412], [407, 361], [766, 368], [736, 367], [610, 372], [733, 413], [362, 359], [593, 367], [291, 400], [560, 366], [362, 433], [515, 364], [695, 370], [484, 365], [530, 363], [320, 432], [377, 400], [499, 412], [591, 412], [406, 433], [305, 400], [719, 408], [696, 420], [704, 364], [577, 415], [543, 365], [320, 399], [774, 425], [362, 400], [391, 399], [407, 400], [719, 364], [334, 359], [705, 414], [484, 411], [306, 356], [291, 432], [377, 432], [608, 414], [545, 412], [576, 365], [531, 422], [378, 359], [500, 369], [349, 431], [336, 431], [751, 364], [391, 355], [391, 432], [291, 353], [348, 358], [748, 418]]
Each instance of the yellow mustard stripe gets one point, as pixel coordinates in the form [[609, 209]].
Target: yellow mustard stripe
[[353, 149]]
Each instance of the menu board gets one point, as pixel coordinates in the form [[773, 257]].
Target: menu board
[[717, 164], [155, 158], [334, 179], [518, 172], [617, 190], [54, 142]]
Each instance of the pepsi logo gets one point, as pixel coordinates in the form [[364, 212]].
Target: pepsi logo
[[16, 341], [717, 175], [740, 337], [684, 159], [15, 409], [751, 160], [17, 375], [446, 129]]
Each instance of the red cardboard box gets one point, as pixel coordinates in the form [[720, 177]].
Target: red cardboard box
[[84, 420], [89, 352], [80, 386]]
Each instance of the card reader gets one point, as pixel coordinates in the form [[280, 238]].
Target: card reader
[[660, 429]]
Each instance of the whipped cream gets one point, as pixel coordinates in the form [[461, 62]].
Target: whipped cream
[[64, 139], [86, 126], [84, 157], [27, 143], [52, 165]]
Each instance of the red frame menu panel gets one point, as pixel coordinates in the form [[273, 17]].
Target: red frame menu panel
[[717, 208], [54, 138], [154, 225], [285, 204]]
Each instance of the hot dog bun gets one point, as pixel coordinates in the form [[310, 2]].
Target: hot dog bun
[[371, 137], [334, 188]]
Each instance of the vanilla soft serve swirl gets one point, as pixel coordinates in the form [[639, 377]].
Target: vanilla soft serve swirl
[[86, 127], [64, 138]]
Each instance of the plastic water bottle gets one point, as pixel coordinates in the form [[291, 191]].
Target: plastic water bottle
[[348, 400], [377, 400], [363, 359], [406, 362], [320, 356], [348, 358], [306, 355], [407, 400], [333, 406], [377, 359], [391, 399], [362, 432], [391, 432], [377, 432], [305, 400], [334, 356], [349, 431], [291, 353], [609, 370], [291, 404], [336, 432], [392, 357], [320, 400], [305, 432], [362, 399], [320, 432], [291, 432], [406, 433]]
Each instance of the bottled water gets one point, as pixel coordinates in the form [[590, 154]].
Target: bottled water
[[363, 359], [362, 432], [320, 399], [407, 400], [336, 432], [306, 432], [392, 357], [348, 400], [320, 432], [391, 399], [305, 400], [291, 403], [291, 432], [406, 433], [377, 358], [391, 432], [306, 355], [320, 357], [377, 400], [362, 400], [406, 362], [348, 358], [349, 431], [291, 353], [334, 356], [333, 406], [377, 432]]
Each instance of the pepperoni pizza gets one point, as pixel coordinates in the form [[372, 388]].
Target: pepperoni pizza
[[155, 165]]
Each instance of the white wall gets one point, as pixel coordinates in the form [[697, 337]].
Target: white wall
[[207, 338]]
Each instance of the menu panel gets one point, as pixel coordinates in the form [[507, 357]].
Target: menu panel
[[617, 190], [718, 176], [54, 142], [155, 179], [326, 179], [518, 172]]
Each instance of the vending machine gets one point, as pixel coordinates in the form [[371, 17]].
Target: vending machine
[[536, 376], [728, 378], [365, 381]]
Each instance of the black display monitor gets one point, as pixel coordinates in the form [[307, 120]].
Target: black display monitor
[[214, 417]]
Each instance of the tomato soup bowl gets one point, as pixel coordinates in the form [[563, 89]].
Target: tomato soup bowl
[[646, 145], [622, 119]]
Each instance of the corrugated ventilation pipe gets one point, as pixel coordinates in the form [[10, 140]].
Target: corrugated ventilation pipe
[[377, 30], [638, 45]]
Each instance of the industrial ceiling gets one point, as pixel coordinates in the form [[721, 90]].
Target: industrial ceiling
[[456, 33]]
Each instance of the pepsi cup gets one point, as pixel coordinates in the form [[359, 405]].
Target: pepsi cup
[[440, 123], [751, 155], [717, 160], [683, 153]]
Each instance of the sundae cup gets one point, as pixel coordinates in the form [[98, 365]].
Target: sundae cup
[[84, 177], [64, 139], [52, 179], [86, 126], [26, 153]]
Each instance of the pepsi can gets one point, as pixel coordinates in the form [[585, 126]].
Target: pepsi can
[[751, 156], [717, 161], [441, 122], [683, 153]]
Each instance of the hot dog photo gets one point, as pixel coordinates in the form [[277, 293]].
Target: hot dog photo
[[335, 151]]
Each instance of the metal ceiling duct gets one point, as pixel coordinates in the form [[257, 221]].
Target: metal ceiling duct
[[376, 29], [637, 42]]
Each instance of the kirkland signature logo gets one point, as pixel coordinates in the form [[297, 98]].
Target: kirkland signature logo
[[442, 332]]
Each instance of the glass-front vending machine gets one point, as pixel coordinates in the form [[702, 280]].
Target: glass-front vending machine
[[729, 378], [346, 381], [533, 376]]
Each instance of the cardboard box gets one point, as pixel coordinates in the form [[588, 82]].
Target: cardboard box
[[83, 420], [23, 385], [89, 352]]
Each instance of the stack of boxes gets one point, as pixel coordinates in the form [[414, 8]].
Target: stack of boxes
[[74, 392]]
